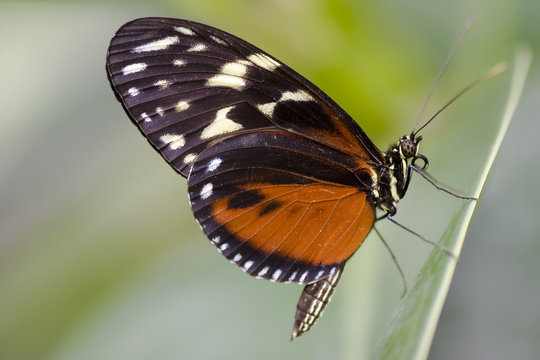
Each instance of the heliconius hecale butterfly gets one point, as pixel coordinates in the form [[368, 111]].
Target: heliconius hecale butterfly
[[282, 180]]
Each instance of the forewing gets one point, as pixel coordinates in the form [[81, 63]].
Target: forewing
[[187, 85], [280, 206]]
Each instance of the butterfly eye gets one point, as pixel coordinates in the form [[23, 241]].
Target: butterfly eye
[[408, 147]]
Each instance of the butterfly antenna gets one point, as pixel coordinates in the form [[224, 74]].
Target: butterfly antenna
[[494, 71], [467, 27]]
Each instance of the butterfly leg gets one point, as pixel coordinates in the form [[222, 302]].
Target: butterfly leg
[[434, 182]]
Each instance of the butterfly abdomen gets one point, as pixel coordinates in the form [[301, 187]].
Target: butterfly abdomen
[[313, 301]]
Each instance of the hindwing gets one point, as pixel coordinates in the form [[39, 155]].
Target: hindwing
[[280, 206]]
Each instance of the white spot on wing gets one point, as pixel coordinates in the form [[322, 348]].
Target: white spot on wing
[[234, 68], [332, 271], [218, 40], [247, 265], [213, 164], [133, 68], [196, 48], [263, 271], [267, 109], [160, 111], [231, 81], [162, 84], [293, 275], [276, 274], [161, 44], [133, 91], [221, 125], [262, 60], [299, 95], [145, 117], [303, 277], [206, 191], [181, 106], [184, 30], [216, 240], [173, 140], [237, 257], [179, 62], [189, 158], [231, 75], [224, 247], [319, 274]]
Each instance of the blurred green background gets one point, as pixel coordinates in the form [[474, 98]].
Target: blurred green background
[[100, 257]]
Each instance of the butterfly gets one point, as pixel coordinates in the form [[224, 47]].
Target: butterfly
[[280, 178]]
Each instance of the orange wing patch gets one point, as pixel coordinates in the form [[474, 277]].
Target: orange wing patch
[[318, 224], [346, 140]]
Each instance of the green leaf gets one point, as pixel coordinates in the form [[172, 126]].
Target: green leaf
[[411, 330]]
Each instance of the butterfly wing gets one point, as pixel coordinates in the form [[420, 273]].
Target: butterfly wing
[[278, 173], [282, 207], [186, 85]]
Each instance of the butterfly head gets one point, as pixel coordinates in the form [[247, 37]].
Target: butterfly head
[[409, 151], [394, 177]]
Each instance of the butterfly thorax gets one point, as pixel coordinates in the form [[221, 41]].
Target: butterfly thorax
[[394, 175]]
